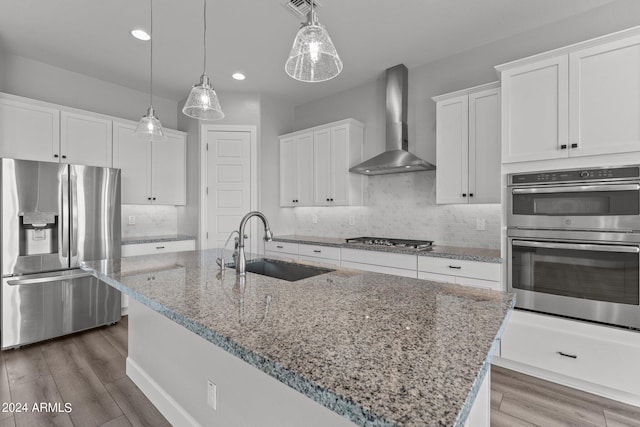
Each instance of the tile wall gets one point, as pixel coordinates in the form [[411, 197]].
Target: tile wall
[[149, 220]]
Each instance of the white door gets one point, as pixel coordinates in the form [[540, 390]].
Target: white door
[[452, 160], [339, 165], [288, 177], [604, 98], [484, 146], [85, 140], [228, 194], [133, 156], [168, 172], [304, 170]]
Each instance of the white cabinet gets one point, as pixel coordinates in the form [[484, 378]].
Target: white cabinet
[[327, 255], [597, 354], [581, 100], [152, 172], [85, 139], [281, 250], [296, 170], [463, 272], [335, 149], [379, 262], [468, 146], [315, 162]]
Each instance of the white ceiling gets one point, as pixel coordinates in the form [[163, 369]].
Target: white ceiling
[[254, 36]]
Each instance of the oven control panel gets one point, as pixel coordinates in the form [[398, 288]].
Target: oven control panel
[[599, 174]]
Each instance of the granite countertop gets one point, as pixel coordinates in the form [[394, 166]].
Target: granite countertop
[[451, 252], [155, 239], [379, 350]]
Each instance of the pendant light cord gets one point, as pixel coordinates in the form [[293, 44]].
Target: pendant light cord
[[204, 38], [151, 60]]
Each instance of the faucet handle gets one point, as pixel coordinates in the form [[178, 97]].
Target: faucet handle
[[220, 262]]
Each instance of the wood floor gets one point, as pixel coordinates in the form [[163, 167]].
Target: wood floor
[[87, 370]]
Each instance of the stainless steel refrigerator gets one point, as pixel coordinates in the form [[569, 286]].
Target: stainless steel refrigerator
[[54, 216]]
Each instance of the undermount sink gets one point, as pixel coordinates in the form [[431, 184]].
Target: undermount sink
[[283, 270]]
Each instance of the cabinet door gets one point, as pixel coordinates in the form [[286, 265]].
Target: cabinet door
[[535, 111], [168, 171], [452, 158], [29, 132], [484, 146], [287, 172], [133, 156], [339, 172], [304, 169], [604, 98], [322, 167], [85, 140]]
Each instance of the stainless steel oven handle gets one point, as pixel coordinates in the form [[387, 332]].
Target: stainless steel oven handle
[[577, 246], [570, 188]]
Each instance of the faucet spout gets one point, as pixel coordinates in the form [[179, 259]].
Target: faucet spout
[[241, 261]]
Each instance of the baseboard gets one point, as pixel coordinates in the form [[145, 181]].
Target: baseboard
[[168, 407], [609, 393], [124, 311]]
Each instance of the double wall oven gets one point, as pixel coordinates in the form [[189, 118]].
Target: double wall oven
[[574, 243]]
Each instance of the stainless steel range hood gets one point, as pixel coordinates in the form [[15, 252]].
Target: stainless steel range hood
[[396, 158]]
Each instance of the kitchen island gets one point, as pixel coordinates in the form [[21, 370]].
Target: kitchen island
[[342, 348]]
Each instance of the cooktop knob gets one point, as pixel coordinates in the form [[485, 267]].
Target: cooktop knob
[[584, 174]]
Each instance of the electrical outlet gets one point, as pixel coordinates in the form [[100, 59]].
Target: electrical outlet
[[212, 395], [352, 220], [480, 224], [132, 220], [314, 218]]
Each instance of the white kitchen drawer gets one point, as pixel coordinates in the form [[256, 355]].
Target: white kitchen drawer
[[387, 259], [157, 248], [435, 277], [479, 283], [603, 355], [281, 256], [475, 269], [319, 251], [324, 261], [281, 247], [378, 268]]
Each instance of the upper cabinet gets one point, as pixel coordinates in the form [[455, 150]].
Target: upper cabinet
[[152, 172], [314, 165], [31, 130], [577, 101], [468, 145], [296, 170]]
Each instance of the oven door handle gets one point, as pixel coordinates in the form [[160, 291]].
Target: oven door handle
[[577, 246], [570, 188]]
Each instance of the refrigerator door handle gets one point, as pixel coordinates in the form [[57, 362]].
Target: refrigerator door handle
[[63, 226], [57, 278], [73, 225]]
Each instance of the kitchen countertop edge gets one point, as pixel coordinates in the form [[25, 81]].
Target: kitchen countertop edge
[[155, 239]]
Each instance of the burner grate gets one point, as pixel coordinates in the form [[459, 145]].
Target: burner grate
[[398, 243]]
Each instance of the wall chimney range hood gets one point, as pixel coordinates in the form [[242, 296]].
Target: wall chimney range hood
[[396, 158]]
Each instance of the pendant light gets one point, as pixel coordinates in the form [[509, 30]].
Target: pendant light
[[313, 57], [203, 103], [149, 128]]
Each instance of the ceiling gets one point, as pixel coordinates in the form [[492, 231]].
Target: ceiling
[[92, 37]]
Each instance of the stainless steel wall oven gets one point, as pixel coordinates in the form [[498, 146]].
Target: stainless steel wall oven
[[574, 243]]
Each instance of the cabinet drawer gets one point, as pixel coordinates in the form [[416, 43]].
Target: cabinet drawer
[[379, 269], [157, 248], [435, 277], [324, 261], [407, 262], [319, 251], [594, 353], [281, 247], [463, 268]]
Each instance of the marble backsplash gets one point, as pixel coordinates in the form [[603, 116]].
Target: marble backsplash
[[404, 206], [150, 220]]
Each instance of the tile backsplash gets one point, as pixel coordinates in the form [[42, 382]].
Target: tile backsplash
[[404, 206], [150, 220]]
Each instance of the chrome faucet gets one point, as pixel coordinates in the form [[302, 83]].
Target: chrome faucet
[[241, 261]]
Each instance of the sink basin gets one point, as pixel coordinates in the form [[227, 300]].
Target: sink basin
[[283, 270]]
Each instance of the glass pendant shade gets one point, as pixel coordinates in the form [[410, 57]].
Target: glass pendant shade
[[203, 103], [149, 127], [313, 57]]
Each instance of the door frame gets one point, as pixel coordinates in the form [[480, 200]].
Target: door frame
[[254, 202]]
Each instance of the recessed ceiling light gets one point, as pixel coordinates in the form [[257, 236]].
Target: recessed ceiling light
[[238, 76], [141, 34]]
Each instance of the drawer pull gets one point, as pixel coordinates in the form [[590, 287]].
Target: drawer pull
[[457, 267], [159, 247], [317, 251], [572, 356], [280, 247]]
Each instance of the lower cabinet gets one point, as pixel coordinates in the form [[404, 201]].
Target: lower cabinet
[[326, 255], [600, 355], [379, 262], [281, 250], [152, 249], [463, 272]]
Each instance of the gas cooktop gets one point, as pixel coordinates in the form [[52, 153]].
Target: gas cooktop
[[419, 245]]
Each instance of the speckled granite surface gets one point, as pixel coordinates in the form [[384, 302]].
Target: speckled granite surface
[[451, 252], [155, 239], [379, 350]]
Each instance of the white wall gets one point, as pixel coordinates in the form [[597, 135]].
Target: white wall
[[37, 80], [404, 205]]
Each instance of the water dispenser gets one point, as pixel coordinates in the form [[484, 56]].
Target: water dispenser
[[38, 233]]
